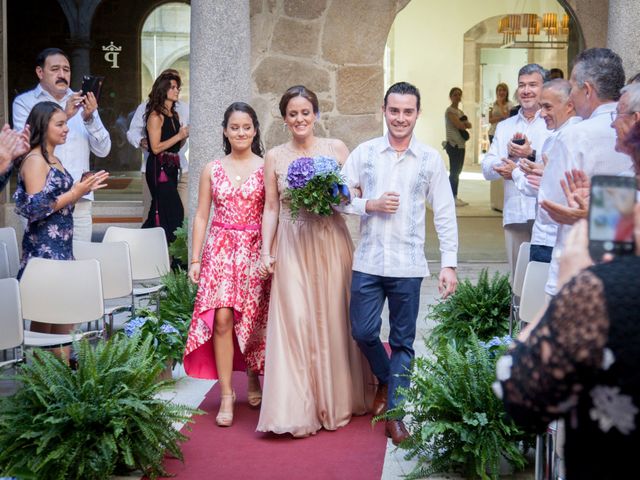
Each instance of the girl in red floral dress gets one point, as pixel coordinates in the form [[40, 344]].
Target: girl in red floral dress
[[230, 315]]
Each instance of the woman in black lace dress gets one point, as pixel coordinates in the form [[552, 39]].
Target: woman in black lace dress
[[581, 362], [165, 136]]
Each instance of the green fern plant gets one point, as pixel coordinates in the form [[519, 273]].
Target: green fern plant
[[481, 309], [457, 423], [102, 419], [178, 249], [176, 304]]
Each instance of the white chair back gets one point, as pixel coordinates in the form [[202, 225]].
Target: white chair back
[[533, 297], [4, 261], [521, 268], [11, 324], [62, 291], [8, 237], [115, 265], [148, 249]]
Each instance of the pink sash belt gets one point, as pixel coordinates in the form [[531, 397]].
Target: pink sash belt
[[236, 226]]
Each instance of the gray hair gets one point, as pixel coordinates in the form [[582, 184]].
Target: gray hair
[[532, 68], [559, 85], [632, 91], [603, 69]]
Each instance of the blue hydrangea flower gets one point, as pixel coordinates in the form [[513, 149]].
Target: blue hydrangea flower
[[325, 165], [497, 342], [300, 171], [133, 326], [168, 328]]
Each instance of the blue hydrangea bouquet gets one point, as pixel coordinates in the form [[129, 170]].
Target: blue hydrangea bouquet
[[169, 343], [315, 184]]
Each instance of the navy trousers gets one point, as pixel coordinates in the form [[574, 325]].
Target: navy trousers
[[368, 293]]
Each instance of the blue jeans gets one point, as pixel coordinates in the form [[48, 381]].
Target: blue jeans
[[368, 293]]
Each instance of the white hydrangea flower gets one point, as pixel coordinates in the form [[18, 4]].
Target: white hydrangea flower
[[608, 359], [497, 389], [503, 368], [611, 409]]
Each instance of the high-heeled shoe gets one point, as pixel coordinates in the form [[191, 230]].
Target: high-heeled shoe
[[225, 415], [254, 397]]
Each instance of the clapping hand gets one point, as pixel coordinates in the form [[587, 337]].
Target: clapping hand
[[12, 145], [506, 168], [93, 181], [576, 191]]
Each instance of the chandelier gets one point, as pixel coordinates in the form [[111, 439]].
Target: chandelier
[[529, 30]]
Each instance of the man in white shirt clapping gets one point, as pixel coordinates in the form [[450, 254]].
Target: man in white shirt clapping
[[501, 162], [397, 175]]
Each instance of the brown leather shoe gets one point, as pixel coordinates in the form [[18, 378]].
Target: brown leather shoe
[[396, 431], [379, 405]]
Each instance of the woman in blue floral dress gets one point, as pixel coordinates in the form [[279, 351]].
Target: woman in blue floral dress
[[45, 194]]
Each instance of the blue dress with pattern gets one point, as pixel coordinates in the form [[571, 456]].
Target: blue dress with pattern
[[49, 232]]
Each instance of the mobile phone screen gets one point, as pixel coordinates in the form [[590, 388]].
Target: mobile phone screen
[[611, 214], [93, 84]]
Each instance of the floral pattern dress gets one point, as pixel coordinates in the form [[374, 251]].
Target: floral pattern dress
[[582, 363], [229, 277], [49, 232]]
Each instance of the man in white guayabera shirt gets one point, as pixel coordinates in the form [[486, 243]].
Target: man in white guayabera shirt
[[397, 176], [501, 161], [558, 112], [86, 131], [596, 80]]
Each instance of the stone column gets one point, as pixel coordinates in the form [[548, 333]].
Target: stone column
[[623, 35], [220, 66]]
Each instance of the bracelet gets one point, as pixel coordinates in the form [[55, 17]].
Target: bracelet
[[194, 261], [267, 255]]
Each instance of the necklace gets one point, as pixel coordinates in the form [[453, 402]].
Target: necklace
[[305, 152], [234, 173]]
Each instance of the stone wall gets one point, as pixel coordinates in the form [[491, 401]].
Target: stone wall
[[335, 48]]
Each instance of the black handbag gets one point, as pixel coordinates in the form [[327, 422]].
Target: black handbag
[[464, 133]]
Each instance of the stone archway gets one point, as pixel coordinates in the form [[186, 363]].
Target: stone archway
[[336, 48]]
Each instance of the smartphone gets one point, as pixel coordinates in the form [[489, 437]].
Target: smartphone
[[518, 141], [92, 83], [611, 215]]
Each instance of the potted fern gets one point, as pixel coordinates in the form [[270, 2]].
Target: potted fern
[[102, 419], [457, 423], [481, 309]]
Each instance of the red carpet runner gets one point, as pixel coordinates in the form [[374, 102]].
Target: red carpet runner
[[353, 452]]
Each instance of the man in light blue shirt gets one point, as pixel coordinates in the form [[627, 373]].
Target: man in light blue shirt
[[86, 132], [397, 176]]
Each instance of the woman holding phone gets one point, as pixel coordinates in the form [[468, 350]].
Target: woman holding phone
[[165, 136]]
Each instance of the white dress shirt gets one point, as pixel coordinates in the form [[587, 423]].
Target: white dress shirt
[[589, 146], [545, 229], [518, 208], [392, 245], [82, 139], [137, 131]]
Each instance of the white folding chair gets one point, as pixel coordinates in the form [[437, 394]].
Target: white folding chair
[[4, 261], [149, 257], [62, 292], [533, 298], [532, 301], [518, 278], [117, 280], [11, 323], [8, 237]]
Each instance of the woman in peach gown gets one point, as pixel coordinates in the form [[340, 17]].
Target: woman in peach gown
[[315, 376]]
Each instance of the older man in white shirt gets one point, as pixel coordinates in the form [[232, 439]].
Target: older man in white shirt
[[137, 137], [501, 161], [86, 134], [558, 112], [397, 175], [589, 146]]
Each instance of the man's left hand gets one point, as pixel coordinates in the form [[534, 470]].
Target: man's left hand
[[90, 105], [447, 282]]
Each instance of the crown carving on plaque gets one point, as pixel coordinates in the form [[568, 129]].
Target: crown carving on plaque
[[111, 48]]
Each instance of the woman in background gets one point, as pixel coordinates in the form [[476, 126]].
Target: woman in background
[[165, 136], [456, 124], [500, 109]]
